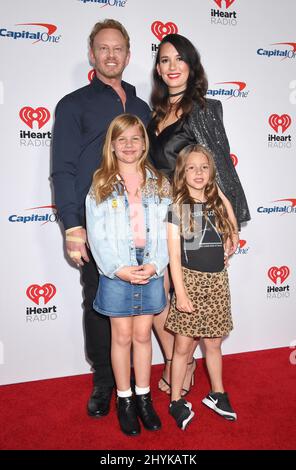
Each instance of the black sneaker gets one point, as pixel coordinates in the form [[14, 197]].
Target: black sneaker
[[219, 402], [181, 411]]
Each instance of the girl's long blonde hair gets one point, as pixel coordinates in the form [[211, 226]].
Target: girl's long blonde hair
[[181, 195], [105, 178]]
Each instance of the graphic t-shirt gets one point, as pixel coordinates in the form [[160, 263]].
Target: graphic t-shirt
[[201, 249]]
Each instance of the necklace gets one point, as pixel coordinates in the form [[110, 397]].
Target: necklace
[[177, 94]]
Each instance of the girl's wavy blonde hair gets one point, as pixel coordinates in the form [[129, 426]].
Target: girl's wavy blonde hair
[[105, 178], [182, 198]]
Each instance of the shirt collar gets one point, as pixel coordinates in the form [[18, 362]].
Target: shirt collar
[[100, 86]]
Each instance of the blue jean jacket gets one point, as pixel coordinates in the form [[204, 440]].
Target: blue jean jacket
[[110, 235]]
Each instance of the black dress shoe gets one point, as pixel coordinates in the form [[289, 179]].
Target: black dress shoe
[[147, 413], [127, 415], [99, 401]]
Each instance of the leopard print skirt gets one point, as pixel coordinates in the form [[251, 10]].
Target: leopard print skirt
[[210, 296]]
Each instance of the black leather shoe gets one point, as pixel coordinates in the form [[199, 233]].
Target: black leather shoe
[[99, 401], [127, 415], [147, 413]]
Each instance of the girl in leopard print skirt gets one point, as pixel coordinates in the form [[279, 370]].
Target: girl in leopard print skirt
[[199, 230]]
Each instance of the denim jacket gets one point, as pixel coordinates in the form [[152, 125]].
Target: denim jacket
[[109, 230]]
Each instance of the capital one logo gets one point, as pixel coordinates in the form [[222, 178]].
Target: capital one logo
[[227, 3], [35, 292], [281, 273], [283, 121], [28, 115], [51, 28], [44, 33], [160, 29], [231, 90]]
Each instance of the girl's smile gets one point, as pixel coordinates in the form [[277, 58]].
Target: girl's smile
[[129, 146]]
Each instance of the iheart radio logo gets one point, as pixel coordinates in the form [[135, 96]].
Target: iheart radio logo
[[242, 243], [91, 74], [47, 291], [281, 273], [227, 3], [283, 121], [234, 159], [160, 30], [28, 115]]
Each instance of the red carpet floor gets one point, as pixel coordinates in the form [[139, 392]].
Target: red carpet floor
[[50, 414]]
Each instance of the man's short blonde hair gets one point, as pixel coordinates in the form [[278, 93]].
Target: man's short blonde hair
[[112, 24]]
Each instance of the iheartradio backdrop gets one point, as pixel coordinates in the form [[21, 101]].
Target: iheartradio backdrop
[[248, 50]]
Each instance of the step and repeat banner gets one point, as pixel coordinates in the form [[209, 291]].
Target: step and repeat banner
[[248, 49]]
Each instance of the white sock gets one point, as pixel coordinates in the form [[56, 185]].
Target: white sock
[[142, 390], [124, 393]]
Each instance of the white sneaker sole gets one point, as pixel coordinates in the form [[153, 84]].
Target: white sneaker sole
[[225, 414], [187, 421]]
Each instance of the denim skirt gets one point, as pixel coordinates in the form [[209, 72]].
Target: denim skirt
[[118, 298]]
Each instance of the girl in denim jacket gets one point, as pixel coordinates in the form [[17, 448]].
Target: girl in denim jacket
[[126, 211]]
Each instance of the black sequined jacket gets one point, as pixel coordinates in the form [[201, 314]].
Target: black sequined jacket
[[208, 129], [204, 127]]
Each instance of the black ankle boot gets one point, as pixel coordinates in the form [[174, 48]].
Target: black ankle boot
[[127, 415], [147, 413]]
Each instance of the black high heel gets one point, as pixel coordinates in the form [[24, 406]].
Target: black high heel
[[184, 391], [162, 379]]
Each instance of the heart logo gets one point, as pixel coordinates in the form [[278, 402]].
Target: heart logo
[[160, 30], [47, 291], [283, 121], [242, 243], [227, 3], [28, 115], [274, 273], [91, 74], [234, 159]]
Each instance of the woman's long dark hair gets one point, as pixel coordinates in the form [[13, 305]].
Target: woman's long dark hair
[[197, 83]]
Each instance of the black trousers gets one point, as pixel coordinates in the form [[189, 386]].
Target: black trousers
[[96, 328]]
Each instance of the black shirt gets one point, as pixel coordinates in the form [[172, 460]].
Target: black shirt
[[81, 121], [201, 250], [165, 146]]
